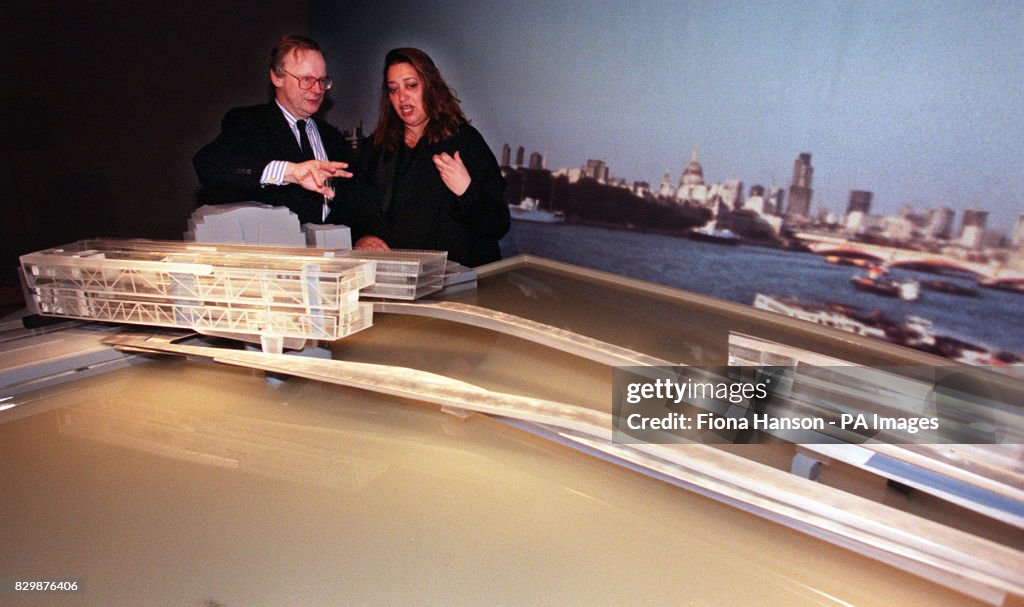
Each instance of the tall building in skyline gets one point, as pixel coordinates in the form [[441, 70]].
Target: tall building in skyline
[[972, 230], [800, 191], [776, 200], [596, 170], [666, 189], [519, 156], [858, 210], [536, 161], [757, 202], [731, 193], [860, 200], [1017, 236], [940, 223], [506, 155]]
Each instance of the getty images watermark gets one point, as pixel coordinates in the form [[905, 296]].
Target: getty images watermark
[[810, 405]]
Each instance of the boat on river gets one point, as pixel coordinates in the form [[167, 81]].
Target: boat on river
[[876, 280], [529, 210], [914, 331], [711, 233], [908, 290], [837, 316]]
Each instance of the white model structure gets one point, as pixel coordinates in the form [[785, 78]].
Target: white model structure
[[246, 222], [404, 274], [280, 296], [400, 274], [255, 223]]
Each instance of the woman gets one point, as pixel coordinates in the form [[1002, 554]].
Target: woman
[[437, 185]]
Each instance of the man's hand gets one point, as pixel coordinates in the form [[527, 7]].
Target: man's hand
[[313, 174], [453, 172], [372, 243]]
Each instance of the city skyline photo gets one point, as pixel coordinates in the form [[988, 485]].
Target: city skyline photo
[[917, 102]]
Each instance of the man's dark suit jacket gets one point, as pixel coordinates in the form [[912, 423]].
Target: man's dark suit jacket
[[231, 165]]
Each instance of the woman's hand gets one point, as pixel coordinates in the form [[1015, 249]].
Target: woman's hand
[[453, 173]]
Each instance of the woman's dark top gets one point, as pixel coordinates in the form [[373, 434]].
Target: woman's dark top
[[412, 208]]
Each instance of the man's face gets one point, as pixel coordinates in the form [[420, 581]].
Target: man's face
[[301, 103]]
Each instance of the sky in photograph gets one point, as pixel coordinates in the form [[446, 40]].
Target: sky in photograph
[[918, 102]]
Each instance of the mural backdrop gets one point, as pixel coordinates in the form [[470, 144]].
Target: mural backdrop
[[626, 126]]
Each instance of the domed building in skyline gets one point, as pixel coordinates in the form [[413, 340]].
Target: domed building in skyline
[[692, 188], [693, 174]]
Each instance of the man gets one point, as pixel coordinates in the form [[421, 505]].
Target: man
[[277, 153]]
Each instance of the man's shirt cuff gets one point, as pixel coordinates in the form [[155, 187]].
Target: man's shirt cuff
[[273, 173]]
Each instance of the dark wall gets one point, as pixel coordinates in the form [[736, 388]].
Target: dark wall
[[104, 104]]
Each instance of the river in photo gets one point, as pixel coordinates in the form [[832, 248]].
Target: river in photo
[[738, 273]]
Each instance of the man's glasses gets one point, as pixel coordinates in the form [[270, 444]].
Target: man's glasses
[[307, 82]]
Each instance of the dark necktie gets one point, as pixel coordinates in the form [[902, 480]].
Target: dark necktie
[[304, 145]]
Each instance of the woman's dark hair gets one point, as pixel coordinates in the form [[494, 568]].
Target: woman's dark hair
[[439, 102]]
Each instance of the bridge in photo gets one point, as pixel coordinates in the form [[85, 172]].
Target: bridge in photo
[[986, 273]]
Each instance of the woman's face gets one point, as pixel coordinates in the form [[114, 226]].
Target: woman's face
[[405, 90]]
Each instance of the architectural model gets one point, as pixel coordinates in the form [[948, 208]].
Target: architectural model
[[262, 224], [271, 294], [404, 274], [246, 223]]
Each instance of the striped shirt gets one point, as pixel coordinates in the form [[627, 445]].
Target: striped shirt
[[273, 173]]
